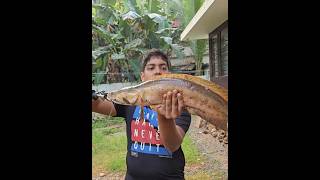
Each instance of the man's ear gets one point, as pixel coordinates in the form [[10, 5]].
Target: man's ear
[[142, 76]]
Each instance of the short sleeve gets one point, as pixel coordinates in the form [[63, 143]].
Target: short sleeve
[[121, 110], [184, 120]]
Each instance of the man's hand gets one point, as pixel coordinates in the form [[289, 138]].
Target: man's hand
[[172, 105], [94, 95]]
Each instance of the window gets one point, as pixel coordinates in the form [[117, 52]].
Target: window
[[218, 51]]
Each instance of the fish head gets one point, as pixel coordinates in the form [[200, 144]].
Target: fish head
[[123, 97]]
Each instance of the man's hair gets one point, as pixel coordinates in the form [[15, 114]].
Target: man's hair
[[155, 53]]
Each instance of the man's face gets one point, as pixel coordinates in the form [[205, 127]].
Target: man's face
[[155, 66]]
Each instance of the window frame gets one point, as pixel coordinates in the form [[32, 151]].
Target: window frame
[[216, 32]]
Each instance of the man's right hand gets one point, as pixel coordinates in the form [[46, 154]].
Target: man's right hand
[[94, 95]]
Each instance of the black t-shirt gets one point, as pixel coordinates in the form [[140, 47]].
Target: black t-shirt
[[147, 158]]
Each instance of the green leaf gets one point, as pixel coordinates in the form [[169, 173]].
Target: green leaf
[[111, 20], [131, 5], [142, 6], [156, 17], [135, 67], [100, 21], [153, 41], [166, 30], [109, 2], [154, 6], [102, 30], [100, 51], [99, 77], [131, 15], [116, 56], [99, 63], [133, 43], [94, 12], [99, 6], [168, 40], [117, 36]]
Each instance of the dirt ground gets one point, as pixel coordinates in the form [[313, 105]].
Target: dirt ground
[[215, 155]]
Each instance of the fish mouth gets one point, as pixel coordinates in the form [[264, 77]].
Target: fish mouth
[[108, 96]]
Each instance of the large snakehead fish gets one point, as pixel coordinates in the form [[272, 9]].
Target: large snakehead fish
[[201, 97]]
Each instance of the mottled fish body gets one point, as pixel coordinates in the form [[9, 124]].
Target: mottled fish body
[[201, 97]]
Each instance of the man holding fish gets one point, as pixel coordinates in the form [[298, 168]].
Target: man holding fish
[[152, 154]]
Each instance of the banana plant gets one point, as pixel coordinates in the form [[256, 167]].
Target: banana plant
[[125, 30]]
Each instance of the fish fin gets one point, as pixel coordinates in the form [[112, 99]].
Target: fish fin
[[153, 107], [142, 110]]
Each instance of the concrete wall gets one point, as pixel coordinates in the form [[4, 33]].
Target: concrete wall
[[111, 87]]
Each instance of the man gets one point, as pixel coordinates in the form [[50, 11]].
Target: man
[[153, 154]]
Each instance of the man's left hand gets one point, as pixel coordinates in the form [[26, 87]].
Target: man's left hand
[[172, 105]]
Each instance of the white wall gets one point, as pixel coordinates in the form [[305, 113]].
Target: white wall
[[111, 87]]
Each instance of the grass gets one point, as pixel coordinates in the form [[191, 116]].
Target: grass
[[106, 121], [109, 152], [109, 146], [191, 153]]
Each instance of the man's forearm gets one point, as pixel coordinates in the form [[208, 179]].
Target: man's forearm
[[170, 135], [103, 107]]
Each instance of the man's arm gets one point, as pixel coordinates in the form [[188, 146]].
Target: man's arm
[[171, 134], [103, 107]]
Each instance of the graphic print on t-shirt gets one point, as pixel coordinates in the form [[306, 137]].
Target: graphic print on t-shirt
[[145, 134]]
